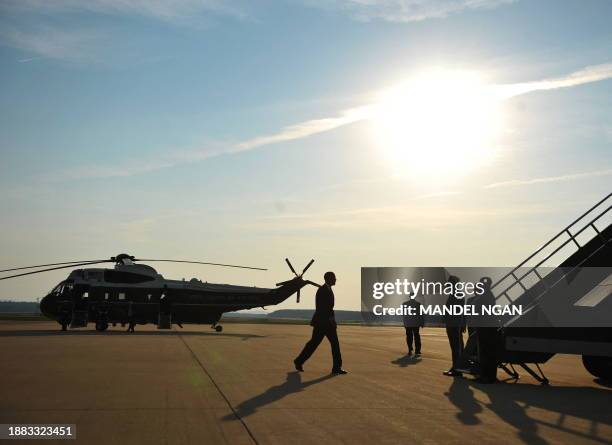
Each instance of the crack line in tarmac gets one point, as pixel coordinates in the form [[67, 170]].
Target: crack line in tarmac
[[195, 357]]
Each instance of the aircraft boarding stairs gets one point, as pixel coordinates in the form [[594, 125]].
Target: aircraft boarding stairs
[[586, 242]]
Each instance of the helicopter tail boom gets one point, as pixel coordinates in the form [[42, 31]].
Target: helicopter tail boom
[[288, 288]]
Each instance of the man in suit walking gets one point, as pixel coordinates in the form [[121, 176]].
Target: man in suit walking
[[323, 325]]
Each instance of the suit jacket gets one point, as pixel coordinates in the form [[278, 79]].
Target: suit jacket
[[454, 321], [324, 309], [416, 320]]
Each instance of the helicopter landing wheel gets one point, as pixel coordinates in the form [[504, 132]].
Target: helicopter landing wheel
[[64, 327], [218, 328], [598, 366]]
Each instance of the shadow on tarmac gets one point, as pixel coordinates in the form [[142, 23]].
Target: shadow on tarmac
[[604, 383], [292, 385], [406, 360], [511, 401], [42, 333]]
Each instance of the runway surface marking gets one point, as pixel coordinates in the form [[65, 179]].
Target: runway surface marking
[[195, 357]]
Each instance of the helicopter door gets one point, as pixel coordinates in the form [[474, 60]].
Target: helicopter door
[[80, 307], [165, 311]]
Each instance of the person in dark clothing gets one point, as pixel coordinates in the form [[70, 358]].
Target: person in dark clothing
[[64, 315], [164, 301], [323, 325], [487, 337], [131, 317], [413, 321], [455, 327]]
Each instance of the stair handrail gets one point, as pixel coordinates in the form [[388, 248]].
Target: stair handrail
[[565, 231]]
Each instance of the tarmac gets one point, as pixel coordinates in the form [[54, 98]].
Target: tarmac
[[194, 385]]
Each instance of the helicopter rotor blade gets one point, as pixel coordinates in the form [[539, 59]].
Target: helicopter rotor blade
[[202, 262], [50, 264], [307, 266], [54, 268], [291, 266], [312, 283]]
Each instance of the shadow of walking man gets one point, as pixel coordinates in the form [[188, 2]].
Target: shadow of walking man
[[406, 360], [461, 395], [292, 385]]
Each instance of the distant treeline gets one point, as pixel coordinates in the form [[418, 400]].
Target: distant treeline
[[21, 307], [306, 314]]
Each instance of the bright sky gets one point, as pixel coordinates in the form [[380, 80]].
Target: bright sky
[[390, 133]]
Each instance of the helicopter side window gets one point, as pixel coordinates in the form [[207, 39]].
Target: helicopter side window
[[114, 276], [149, 297], [85, 295], [106, 295], [94, 275], [121, 295]]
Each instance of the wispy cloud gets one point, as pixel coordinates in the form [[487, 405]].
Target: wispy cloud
[[349, 116], [548, 179], [31, 25], [342, 118], [293, 132], [589, 74], [309, 128], [51, 43], [404, 10], [167, 10], [442, 194], [382, 218]]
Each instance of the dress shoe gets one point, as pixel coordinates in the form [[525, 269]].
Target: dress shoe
[[452, 373], [339, 371], [298, 366]]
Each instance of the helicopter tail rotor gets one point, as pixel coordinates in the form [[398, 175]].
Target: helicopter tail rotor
[[297, 276], [291, 266]]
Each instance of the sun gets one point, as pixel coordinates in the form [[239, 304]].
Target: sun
[[441, 124]]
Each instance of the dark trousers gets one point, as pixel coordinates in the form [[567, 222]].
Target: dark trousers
[[487, 352], [455, 340], [413, 337], [318, 333]]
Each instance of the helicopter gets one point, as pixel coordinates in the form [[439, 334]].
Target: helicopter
[[135, 293]]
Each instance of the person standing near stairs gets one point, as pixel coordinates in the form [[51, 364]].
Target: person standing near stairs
[[455, 327]]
